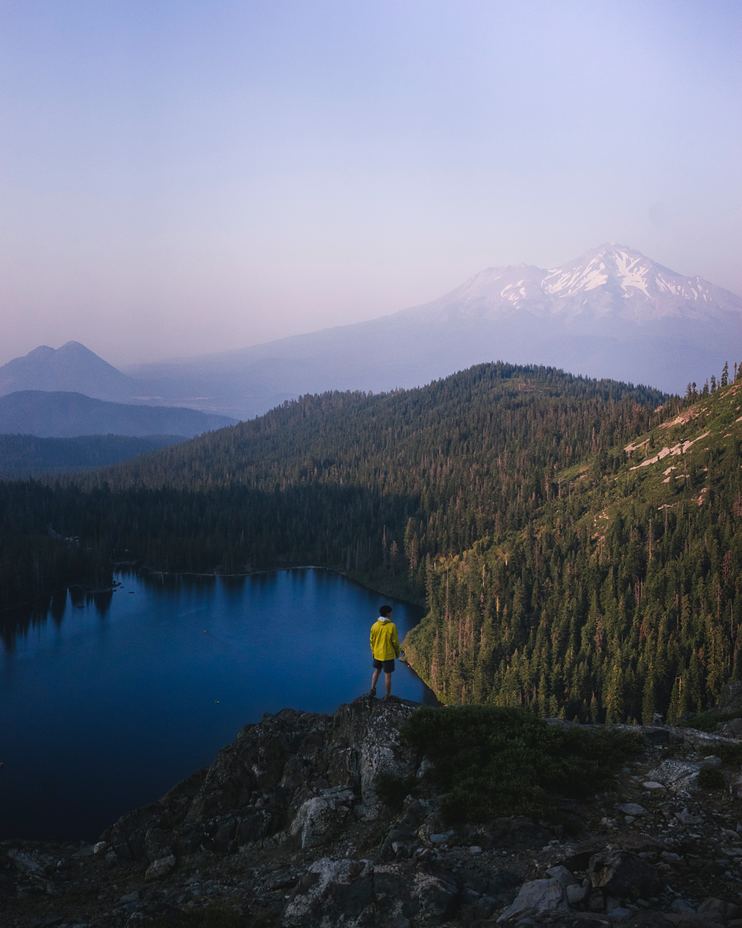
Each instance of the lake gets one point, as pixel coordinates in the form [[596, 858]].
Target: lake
[[108, 700]]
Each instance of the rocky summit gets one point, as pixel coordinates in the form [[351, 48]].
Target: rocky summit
[[294, 825]]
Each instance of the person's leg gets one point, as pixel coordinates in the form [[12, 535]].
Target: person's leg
[[388, 683], [375, 679]]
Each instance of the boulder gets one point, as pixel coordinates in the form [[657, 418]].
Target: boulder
[[732, 728], [325, 879], [160, 868], [561, 873], [435, 896], [688, 818], [536, 897], [632, 808], [320, 818], [156, 844], [676, 775], [576, 893], [716, 909], [373, 729], [711, 761], [28, 863], [622, 874]]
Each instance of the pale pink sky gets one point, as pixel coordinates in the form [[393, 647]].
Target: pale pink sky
[[180, 177]]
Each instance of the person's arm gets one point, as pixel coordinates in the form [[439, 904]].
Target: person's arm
[[395, 641], [371, 639]]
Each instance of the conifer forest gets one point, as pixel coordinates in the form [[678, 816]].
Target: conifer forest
[[575, 542]]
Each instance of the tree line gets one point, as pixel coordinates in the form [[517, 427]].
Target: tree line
[[482, 494]]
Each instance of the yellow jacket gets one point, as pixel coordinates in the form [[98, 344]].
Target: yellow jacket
[[384, 640]]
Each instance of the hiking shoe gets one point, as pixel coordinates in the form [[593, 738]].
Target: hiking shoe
[[372, 693]]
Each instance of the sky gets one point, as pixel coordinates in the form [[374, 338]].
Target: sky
[[180, 177]]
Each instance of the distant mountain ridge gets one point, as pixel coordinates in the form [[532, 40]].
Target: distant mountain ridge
[[64, 415], [72, 368], [611, 313], [609, 283], [30, 456]]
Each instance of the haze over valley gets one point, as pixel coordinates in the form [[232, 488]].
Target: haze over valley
[[612, 313]]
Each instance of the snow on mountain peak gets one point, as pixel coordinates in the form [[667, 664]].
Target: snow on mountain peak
[[611, 284], [610, 264]]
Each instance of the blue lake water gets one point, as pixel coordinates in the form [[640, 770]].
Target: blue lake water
[[107, 701]]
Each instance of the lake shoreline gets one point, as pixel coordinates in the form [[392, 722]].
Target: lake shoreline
[[355, 578], [213, 574], [170, 668], [138, 569]]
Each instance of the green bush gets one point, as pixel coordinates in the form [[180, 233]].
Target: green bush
[[215, 916], [711, 778], [730, 754], [393, 790], [710, 719], [490, 761]]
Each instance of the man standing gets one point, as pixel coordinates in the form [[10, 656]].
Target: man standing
[[384, 648]]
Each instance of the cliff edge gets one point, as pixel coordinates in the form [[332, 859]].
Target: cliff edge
[[322, 821]]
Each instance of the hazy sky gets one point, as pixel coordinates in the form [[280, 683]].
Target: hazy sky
[[183, 176]]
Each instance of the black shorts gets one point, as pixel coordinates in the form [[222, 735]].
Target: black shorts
[[387, 666]]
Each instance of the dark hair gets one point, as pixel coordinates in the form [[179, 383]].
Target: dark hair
[[385, 610]]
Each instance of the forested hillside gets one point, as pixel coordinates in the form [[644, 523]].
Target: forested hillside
[[374, 485], [621, 599], [29, 455], [560, 570], [383, 481]]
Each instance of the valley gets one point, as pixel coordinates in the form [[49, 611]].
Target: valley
[[559, 570]]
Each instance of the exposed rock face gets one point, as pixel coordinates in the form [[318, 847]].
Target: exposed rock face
[[535, 898], [295, 773], [287, 829], [322, 817]]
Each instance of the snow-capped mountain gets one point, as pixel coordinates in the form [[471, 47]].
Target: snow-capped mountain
[[601, 291], [610, 313]]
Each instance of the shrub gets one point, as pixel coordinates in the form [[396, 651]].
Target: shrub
[[711, 778], [710, 719], [730, 754], [489, 761], [214, 916], [392, 790]]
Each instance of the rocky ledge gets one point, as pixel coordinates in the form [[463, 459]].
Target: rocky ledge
[[287, 828]]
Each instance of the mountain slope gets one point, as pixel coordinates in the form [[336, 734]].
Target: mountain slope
[[73, 368], [28, 455], [607, 291], [622, 597], [375, 485], [576, 544], [610, 313], [64, 415], [432, 467]]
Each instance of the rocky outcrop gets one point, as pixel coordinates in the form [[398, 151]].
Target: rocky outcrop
[[295, 776], [287, 828]]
